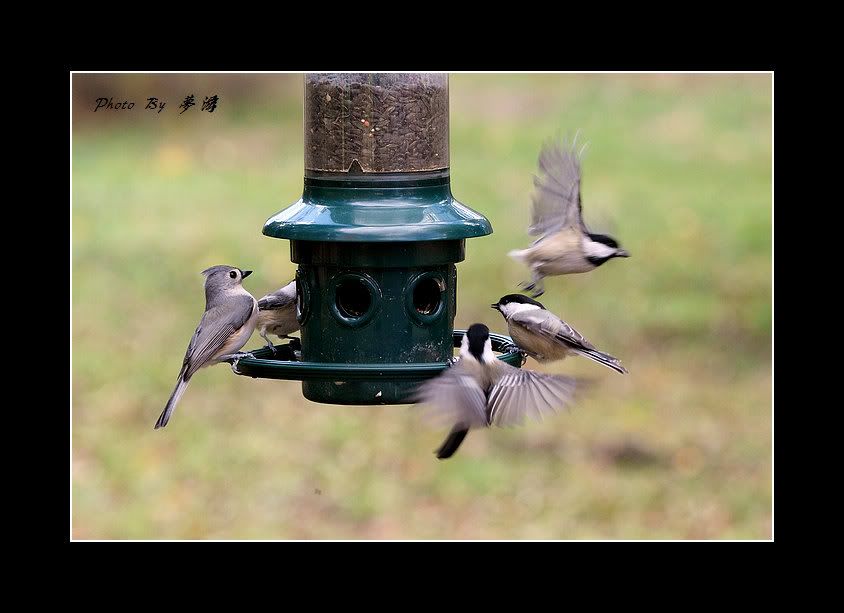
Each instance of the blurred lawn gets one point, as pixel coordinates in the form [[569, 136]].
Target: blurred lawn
[[679, 168]]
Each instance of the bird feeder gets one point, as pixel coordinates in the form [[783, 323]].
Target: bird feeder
[[376, 236]]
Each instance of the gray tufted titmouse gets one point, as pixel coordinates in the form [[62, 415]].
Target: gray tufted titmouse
[[565, 245], [277, 314], [228, 322]]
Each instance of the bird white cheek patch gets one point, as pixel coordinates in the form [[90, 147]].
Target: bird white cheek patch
[[488, 355], [516, 307], [597, 250]]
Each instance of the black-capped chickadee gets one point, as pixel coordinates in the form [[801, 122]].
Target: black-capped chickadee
[[228, 322], [544, 336], [481, 391], [565, 245], [277, 314]]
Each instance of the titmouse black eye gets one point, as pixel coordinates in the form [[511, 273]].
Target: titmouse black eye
[[233, 274]]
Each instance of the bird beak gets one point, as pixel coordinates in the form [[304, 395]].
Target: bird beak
[[495, 306], [621, 253], [246, 273]]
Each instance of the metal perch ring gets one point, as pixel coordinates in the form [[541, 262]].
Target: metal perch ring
[[263, 365]]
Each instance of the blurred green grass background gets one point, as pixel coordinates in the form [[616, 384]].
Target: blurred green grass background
[[678, 168]]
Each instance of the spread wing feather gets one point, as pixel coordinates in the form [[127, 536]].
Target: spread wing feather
[[525, 393], [454, 397], [556, 201]]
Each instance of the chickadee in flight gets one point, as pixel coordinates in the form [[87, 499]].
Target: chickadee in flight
[[228, 322], [565, 245], [277, 314], [544, 336], [481, 391]]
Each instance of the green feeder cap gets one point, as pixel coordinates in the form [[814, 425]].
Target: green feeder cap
[[409, 210]]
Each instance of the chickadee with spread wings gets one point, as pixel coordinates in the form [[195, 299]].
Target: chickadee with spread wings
[[228, 322], [481, 391], [277, 314], [544, 336], [565, 245]]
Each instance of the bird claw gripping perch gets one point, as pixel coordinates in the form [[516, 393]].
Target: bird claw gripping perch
[[521, 353], [234, 358]]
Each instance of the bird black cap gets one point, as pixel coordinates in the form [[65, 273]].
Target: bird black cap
[[518, 298], [478, 335]]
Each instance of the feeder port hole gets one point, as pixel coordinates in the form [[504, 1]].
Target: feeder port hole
[[355, 299]]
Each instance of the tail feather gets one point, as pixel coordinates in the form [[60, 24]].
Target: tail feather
[[603, 358], [452, 442], [518, 254], [171, 404]]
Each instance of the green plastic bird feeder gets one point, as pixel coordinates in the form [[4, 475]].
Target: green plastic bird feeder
[[376, 235]]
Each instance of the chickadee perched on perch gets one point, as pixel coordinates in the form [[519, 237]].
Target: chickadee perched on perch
[[565, 245], [481, 391], [544, 336], [228, 322], [277, 314]]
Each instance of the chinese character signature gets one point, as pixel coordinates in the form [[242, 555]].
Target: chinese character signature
[[188, 102]]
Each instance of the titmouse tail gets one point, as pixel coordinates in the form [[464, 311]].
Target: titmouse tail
[[452, 442], [603, 358], [171, 404]]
